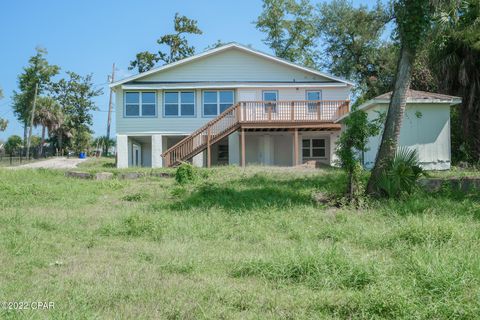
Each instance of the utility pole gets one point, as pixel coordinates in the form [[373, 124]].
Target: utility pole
[[109, 121], [29, 140]]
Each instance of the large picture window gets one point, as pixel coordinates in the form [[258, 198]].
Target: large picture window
[[140, 104], [313, 148], [215, 102], [179, 103]]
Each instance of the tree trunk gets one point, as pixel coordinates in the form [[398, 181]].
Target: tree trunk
[[393, 123], [60, 142], [40, 150], [25, 134], [350, 186]]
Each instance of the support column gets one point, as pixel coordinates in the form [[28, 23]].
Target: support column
[[197, 160], [242, 143], [122, 151], [157, 149], [333, 158], [234, 148], [295, 147]]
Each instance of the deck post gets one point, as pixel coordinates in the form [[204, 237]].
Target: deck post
[[295, 147], [242, 145], [209, 154], [292, 111]]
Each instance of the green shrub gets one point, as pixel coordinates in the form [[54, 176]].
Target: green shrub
[[401, 174], [186, 173], [136, 197]]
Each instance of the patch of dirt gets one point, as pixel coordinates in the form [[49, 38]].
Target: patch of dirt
[[53, 163]]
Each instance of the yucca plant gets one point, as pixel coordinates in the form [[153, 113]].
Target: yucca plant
[[401, 174]]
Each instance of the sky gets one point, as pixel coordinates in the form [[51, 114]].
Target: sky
[[88, 36]]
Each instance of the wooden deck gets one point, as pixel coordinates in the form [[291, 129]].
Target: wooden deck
[[254, 116]]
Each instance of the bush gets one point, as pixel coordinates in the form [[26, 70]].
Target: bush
[[186, 173], [401, 174]]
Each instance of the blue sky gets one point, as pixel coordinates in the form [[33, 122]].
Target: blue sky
[[88, 36]]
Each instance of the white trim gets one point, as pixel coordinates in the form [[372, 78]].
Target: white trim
[[222, 48], [154, 86]]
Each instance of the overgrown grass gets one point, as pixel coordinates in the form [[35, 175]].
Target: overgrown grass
[[235, 244]]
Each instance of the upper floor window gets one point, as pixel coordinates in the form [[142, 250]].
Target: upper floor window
[[140, 104], [179, 103], [215, 102], [313, 96], [271, 97]]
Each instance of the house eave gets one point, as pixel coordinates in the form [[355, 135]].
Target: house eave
[[230, 85]]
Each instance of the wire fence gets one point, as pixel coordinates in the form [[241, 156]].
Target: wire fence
[[18, 157]]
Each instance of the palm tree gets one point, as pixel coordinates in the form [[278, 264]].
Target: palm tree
[[105, 143], [61, 130], [456, 60], [46, 115]]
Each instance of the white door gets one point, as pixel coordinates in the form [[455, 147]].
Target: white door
[[136, 157]]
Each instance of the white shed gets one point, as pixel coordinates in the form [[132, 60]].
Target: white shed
[[425, 127]]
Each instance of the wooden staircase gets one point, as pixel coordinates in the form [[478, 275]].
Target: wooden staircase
[[255, 114]]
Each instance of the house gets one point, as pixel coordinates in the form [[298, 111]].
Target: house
[[425, 127], [229, 105], [236, 105]]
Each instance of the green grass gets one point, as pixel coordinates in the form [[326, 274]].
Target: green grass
[[238, 244]]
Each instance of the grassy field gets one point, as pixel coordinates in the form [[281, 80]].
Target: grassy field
[[238, 244]]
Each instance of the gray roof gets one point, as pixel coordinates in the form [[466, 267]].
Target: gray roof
[[419, 95]]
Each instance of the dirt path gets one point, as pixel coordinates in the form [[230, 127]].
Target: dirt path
[[54, 163]]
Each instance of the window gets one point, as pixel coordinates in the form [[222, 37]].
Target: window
[[270, 96], [313, 148], [140, 104], [179, 103], [215, 102], [313, 96]]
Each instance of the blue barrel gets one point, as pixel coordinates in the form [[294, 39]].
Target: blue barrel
[[81, 155]]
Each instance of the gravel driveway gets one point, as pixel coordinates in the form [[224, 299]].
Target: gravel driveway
[[54, 163]]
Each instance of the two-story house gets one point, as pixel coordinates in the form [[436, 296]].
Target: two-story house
[[229, 105], [236, 105]]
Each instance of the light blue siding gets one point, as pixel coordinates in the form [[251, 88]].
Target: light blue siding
[[233, 65]]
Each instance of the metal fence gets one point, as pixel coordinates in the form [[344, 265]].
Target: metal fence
[[18, 157]]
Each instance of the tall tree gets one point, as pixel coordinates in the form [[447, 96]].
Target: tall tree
[[177, 44], [38, 71], [75, 95], [47, 115], [413, 20], [455, 57], [144, 61], [291, 30], [353, 47]]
